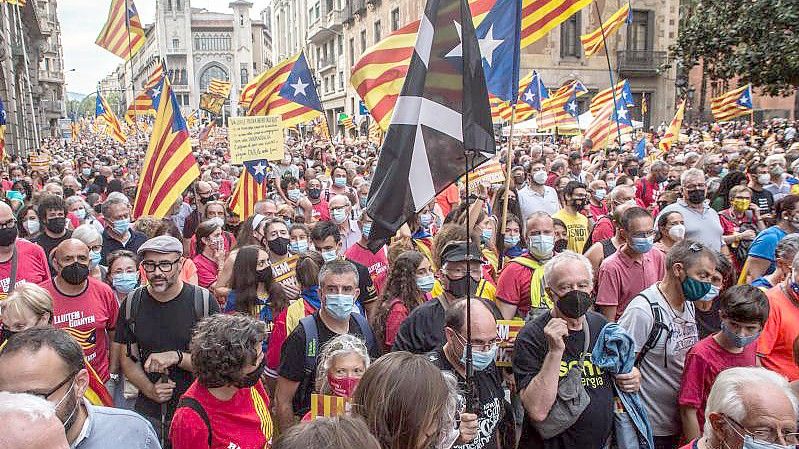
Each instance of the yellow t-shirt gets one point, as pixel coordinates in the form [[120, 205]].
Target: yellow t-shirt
[[577, 228]]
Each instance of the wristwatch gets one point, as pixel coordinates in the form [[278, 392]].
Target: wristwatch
[[114, 377]]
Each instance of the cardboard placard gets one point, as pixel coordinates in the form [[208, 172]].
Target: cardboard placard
[[486, 174], [507, 330], [254, 138]]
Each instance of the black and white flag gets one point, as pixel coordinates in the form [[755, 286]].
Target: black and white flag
[[441, 112]]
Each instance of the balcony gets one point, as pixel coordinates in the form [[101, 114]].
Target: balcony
[[51, 107], [51, 76], [176, 50], [640, 62], [325, 64], [336, 18]]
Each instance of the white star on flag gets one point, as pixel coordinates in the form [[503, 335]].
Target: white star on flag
[[488, 44], [622, 113], [299, 86], [745, 99], [528, 96], [259, 168], [572, 106]]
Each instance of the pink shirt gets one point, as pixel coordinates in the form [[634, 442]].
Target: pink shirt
[[377, 263], [620, 278], [207, 270]]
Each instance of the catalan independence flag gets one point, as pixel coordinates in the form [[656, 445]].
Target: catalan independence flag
[[219, 88], [169, 165], [155, 76], [608, 124], [286, 90], [123, 34], [539, 17], [732, 104], [594, 41], [97, 394], [555, 110], [673, 132], [2, 130], [103, 111], [250, 189], [605, 96], [14, 2], [141, 105]]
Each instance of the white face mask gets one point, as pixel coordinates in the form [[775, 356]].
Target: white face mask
[[677, 232], [540, 177]]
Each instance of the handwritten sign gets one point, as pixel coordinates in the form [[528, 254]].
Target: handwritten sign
[[254, 138], [507, 330], [488, 173], [323, 405]]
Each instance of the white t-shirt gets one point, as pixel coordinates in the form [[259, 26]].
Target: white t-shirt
[[531, 201]]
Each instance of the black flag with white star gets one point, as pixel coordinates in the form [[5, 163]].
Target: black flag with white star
[[442, 112]]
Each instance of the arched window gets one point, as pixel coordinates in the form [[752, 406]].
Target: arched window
[[211, 72]]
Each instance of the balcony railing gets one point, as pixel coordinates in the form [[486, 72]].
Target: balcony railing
[[641, 62], [51, 76], [51, 106], [176, 50], [326, 63], [335, 18]]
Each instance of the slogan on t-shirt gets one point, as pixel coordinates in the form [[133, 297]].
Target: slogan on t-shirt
[[285, 272], [593, 376], [87, 338], [507, 330]]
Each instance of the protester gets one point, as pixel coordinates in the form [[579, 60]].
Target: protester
[[786, 250], [605, 227], [210, 252], [670, 230], [702, 223], [603, 249], [761, 259], [376, 262], [123, 273], [30, 422], [342, 362], [537, 195], [29, 225], [776, 343], [648, 188], [118, 234], [92, 238], [340, 432], [52, 212]]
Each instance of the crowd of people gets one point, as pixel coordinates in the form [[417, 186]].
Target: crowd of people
[[656, 300]]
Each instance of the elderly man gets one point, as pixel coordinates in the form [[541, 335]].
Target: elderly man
[[52, 188], [341, 214], [648, 188], [84, 306], [550, 344], [338, 288], [778, 185], [267, 208], [203, 193], [48, 363], [749, 407], [158, 363], [702, 222], [30, 422], [118, 233]]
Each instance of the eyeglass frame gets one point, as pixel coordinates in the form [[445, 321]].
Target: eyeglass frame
[[46, 396], [9, 224], [794, 436], [159, 265]]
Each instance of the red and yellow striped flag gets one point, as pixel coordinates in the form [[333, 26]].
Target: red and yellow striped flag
[[169, 166], [251, 188], [97, 394], [553, 109], [732, 104], [123, 34], [141, 105], [539, 17], [323, 405], [219, 87], [605, 96], [155, 76], [593, 42], [673, 132], [604, 128], [103, 111], [379, 74]]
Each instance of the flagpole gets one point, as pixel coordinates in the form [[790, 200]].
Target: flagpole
[[470, 387], [508, 166], [610, 72], [132, 84]]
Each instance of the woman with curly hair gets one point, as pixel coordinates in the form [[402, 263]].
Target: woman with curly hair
[[409, 284], [227, 403]]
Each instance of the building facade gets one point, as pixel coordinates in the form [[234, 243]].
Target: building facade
[[31, 73]]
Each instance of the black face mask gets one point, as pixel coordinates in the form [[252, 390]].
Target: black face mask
[[458, 287], [279, 246], [560, 245], [250, 379], [233, 229], [75, 273], [8, 236], [68, 192], [56, 225], [696, 196], [212, 197], [264, 275], [632, 171], [574, 304], [579, 204], [314, 194]]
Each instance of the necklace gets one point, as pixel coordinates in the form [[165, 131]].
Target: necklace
[[677, 318]]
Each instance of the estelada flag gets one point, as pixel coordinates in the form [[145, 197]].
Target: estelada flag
[[323, 405]]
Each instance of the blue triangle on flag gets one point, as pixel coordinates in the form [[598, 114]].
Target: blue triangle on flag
[[258, 169], [299, 86]]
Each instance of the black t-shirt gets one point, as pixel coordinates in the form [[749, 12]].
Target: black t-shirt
[[764, 200], [488, 383], [160, 327], [292, 360], [48, 244], [708, 323], [593, 427]]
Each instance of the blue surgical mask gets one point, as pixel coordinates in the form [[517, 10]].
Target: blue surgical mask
[[340, 182], [711, 295], [125, 282], [600, 194], [541, 246], [363, 202], [611, 184], [486, 235], [426, 283], [86, 171], [512, 240], [80, 213], [121, 226], [425, 220], [366, 229], [481, 359], [339, 215], [737, 340], [299, 246], [339, 305], [293, 194], [642, 245], [94, 258], [329, 255]]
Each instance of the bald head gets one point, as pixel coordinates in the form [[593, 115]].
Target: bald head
[[484, 324], [70, 251]]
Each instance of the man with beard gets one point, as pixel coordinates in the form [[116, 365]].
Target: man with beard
[[47, 362], [155, 324]]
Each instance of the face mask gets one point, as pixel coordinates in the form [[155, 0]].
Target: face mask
[[340, 182], [8, 236], [314, 194], [339, 305], [711, 294], [80, 213], [560, 246], [86, 171], [776, 171], [279, 246], [541, 246], [458, 287], [363, 201], [737, 340], [294, 194], [94, 258], [366, 229], [70, 420], [264, 275], [218, 221], [298, 246], [694, 289], [763, 179], [574, 304], [485, 235], [481, 359], [540, 177], [125, 282], [32, 226], [611, 184], [512, 240], [343, 387], [740, 205], [56, 225], [600, 194], [633, 171], [578, 203], [339, 215], [75, 273], [642, 245], [425, 220], [677, 232], [121, 226], [696, 196], [249, 380], [328, 256], [426, 283]]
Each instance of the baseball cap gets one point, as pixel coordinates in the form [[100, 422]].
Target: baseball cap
[[163, 244], [456, 251]]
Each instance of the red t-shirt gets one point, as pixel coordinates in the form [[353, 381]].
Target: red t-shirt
[[321, 211], [647, 191], [396, 315], [376, 263], [775, 345], [207, 270], [513, 287], [31, 267], [278, 337], [235, 423], [448, 198], [87, 318], [227, 237], [603, 230], [703, 363], [596, 212]]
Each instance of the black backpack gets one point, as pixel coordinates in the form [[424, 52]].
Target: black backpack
[[658, 328]]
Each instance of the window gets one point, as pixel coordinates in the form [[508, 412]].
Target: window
[[377, 31], [395, 19], [169, 5], [214, 42], [175, 43], [245, 76], [214, 71], [570, 37], [352, 51], [326, 84], [640, 33], [340, 42], [363, 41], [332, 82], [340, 80], [178, 6], [318, 57], [241, 19]]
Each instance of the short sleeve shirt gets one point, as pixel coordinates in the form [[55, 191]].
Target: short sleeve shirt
[[765, 245], [32, 267]]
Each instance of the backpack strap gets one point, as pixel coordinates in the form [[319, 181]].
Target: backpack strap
[[308, 324], [13, 276], [132, 302], [186, 402], [202, 302], [366, 331], [658, 327]]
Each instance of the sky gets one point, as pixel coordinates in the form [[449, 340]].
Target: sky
[[79, 29]]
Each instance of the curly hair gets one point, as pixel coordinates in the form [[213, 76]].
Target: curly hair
[[400, 284], [223, 345]]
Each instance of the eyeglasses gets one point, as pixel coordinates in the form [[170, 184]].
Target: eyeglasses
[[695, 187], [768, 435], [47, 395], [645, 234], [164, 266], [480, 345], [96, 248]]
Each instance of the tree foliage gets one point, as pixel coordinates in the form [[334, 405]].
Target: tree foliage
[[754, 40]]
